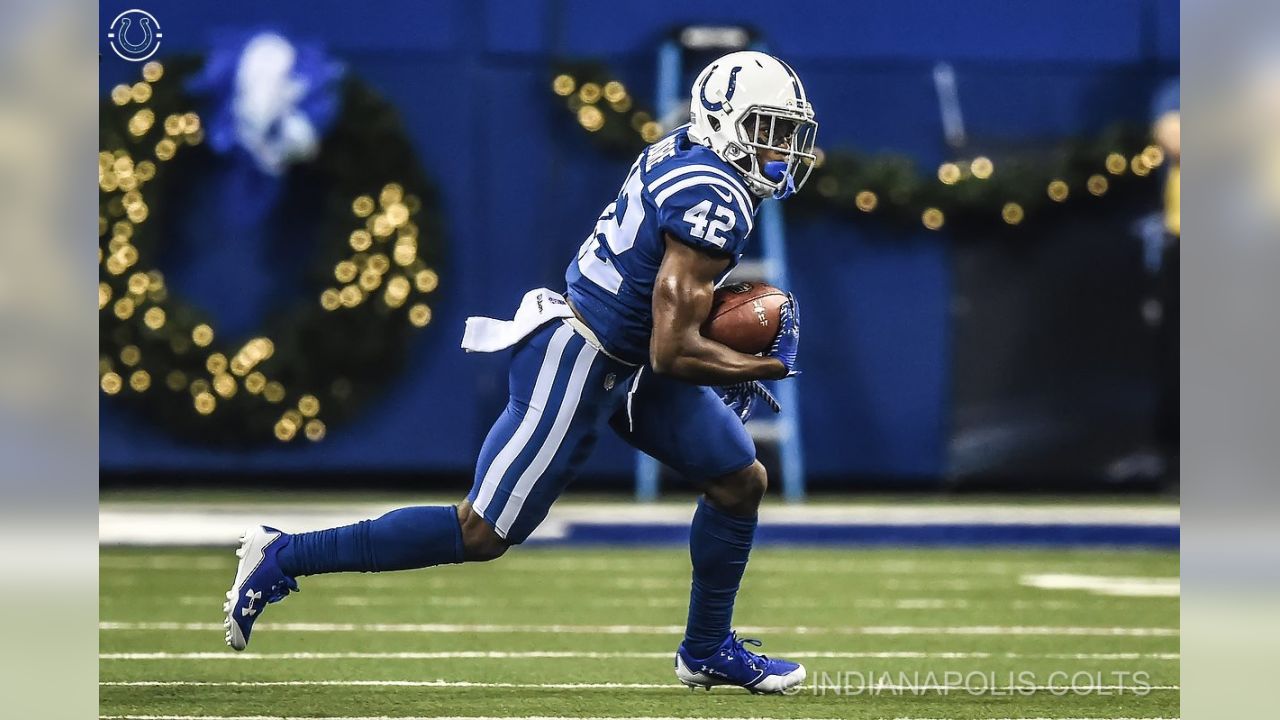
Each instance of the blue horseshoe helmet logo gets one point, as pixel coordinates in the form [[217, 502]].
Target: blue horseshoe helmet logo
[[728, 93]]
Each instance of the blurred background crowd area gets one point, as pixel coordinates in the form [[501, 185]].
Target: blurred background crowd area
[[949, 342]]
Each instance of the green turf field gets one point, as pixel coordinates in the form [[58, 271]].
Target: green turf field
[[569, 633]]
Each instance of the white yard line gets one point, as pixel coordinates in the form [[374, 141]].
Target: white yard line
[[586, 655], [561, 686], [442, 717], [521, 717], [447, 628], [1110, 585], [194, 524]]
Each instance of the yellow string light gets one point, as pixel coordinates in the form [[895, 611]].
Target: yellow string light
[[392, 194], [1153, 156], [285, 429], [1059, 191], [866, 201], [175, 380], [314, 430], [329, 299], [224, 385], [344, 271], [140, 380], [405, 253], [152, 71], [350, 296], [419, 315], [370, 280], [982, 167], [360, 240], [426, 280], [202, 335], [949, 173], [154, 318], [110, 383], [1116, 164], [273, 391], [397, 214], [362, 206], [589, 93], [204, 402], [933, 218], [254, 382], [590, 118], [1012, 213], [130, 355], [564, 85], [124, 308], [308, 405], [1097, 185], [216, 363]]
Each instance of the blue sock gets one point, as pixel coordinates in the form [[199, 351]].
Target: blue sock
[[412, 537], [719, 544]]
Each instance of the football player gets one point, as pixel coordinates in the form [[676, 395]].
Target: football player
[[621, 347]]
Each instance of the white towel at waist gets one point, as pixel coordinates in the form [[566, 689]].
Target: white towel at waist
[[540, 306]]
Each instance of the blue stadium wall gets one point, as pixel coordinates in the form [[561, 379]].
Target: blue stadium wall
[[521, 185]]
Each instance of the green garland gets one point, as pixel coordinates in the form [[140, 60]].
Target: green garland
[[975, 194], [314, 362]]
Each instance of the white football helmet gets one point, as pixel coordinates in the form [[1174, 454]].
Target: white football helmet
[[749, 101]]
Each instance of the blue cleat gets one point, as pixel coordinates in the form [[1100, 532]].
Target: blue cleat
[[733, 664], [259, 580]]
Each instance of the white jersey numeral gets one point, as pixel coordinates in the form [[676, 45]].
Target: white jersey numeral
[[709, 228], [619, 233]]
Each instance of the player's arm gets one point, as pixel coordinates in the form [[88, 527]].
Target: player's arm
[[682, 295]]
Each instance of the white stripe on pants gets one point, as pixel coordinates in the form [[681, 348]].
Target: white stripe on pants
[[564, 416], [537, 403]]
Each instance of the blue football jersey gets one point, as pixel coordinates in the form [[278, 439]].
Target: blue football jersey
[[675, 187]]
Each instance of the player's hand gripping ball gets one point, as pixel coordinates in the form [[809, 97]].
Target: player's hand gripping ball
[[746, 316]]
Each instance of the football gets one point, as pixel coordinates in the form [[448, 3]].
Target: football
[[745, 316]]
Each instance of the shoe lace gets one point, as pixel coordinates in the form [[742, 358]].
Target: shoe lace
[[751, 657]]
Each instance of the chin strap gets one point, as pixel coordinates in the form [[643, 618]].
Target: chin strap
[[777, 172]]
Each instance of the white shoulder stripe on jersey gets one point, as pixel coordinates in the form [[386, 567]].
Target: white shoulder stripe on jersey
[[742, 194], [704, 180]]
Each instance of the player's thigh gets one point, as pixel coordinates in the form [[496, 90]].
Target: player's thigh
[[560, 393], [686, 427]]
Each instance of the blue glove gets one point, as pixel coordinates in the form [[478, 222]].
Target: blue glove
[[787, 345], [741, 398]]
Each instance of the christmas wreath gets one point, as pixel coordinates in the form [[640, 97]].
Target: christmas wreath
[[372, 266]]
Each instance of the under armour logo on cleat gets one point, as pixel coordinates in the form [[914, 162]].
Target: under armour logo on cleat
[[253, 596], [609, 381]]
